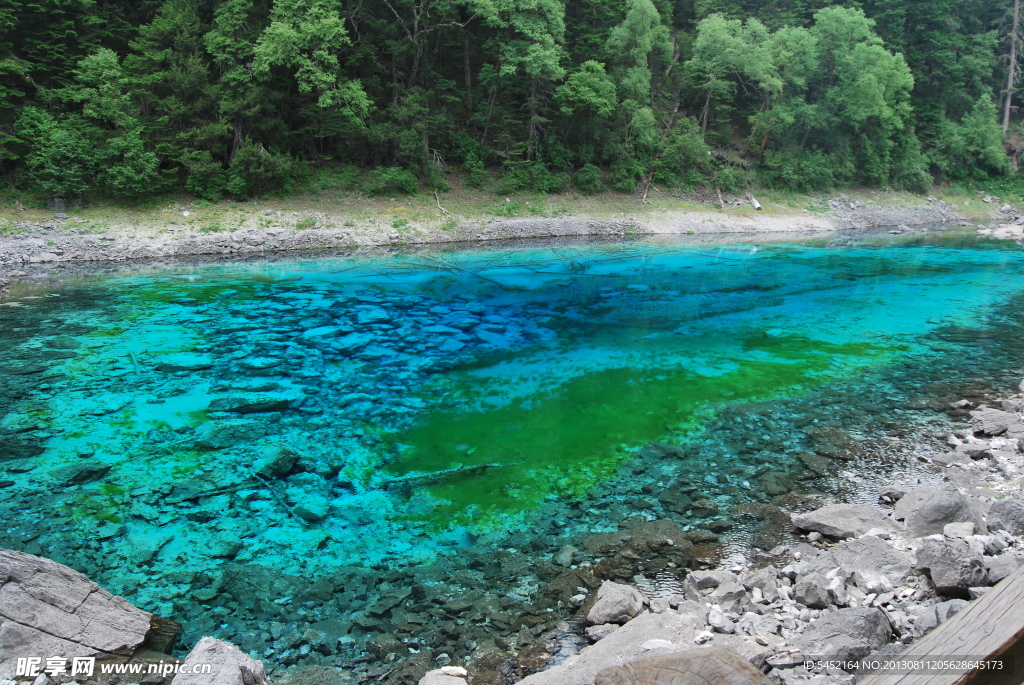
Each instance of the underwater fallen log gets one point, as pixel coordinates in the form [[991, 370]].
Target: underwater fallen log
[[420, 478]]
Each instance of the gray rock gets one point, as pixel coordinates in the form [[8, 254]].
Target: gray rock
[[311, 507], [953, 565], [844, 520], [565, 555], [699, 665], [595, 633], [962, 529], [698, 611], [766, 580], [615, 603], [925, 619], [707, 580], [872, 564], [622, 646], [720, 622], [1008, 515], [927, 510], [846, 634], [439, 677], [730, 596], [49, 609], [811, 590], [991, 422], [230, 666], [947, 610], [1000, 567]]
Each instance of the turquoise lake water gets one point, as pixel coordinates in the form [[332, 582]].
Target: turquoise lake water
[[162, 424]]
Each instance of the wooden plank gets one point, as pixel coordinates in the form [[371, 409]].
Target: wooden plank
[[991, 626]]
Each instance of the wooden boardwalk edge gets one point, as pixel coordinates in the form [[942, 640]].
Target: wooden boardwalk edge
[[991, 626]]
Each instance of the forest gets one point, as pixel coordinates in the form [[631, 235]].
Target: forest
[[245, 98]]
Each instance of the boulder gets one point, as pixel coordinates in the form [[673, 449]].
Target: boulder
[[844, 520], [625, 645], [600, 632], [845, 635], [1008, 515], [928, 510], [963, 529], [766, 580], [947, 610], [997, 568], [49, 609], [872, 564], [954, 565], [229, 666], [731, 597], [721, 623], [709, 580], [991, 422], [700, 665], [924, 618], [615, 603], [811, 590]]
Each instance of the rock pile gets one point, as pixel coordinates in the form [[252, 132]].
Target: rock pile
[[864, 581]]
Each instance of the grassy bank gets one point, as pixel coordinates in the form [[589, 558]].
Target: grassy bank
[[403, 214]]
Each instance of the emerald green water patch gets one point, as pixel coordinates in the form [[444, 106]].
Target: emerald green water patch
[[564, 442]]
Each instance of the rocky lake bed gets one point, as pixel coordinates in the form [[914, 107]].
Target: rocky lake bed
[[208, 444]]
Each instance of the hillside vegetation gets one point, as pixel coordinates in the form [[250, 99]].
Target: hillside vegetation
[[247, 98]]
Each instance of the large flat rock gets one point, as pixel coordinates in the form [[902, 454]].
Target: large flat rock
[[47, 609], [845, 520], [626, 645], [873, 564]]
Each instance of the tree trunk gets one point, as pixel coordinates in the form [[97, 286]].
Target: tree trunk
[[705, 113], [1012, 75], [467, 71], [531, 127]]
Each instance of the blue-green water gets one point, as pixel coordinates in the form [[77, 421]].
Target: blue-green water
[[162, 426]]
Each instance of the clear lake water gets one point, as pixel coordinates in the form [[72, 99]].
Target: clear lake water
[[338, 443]]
